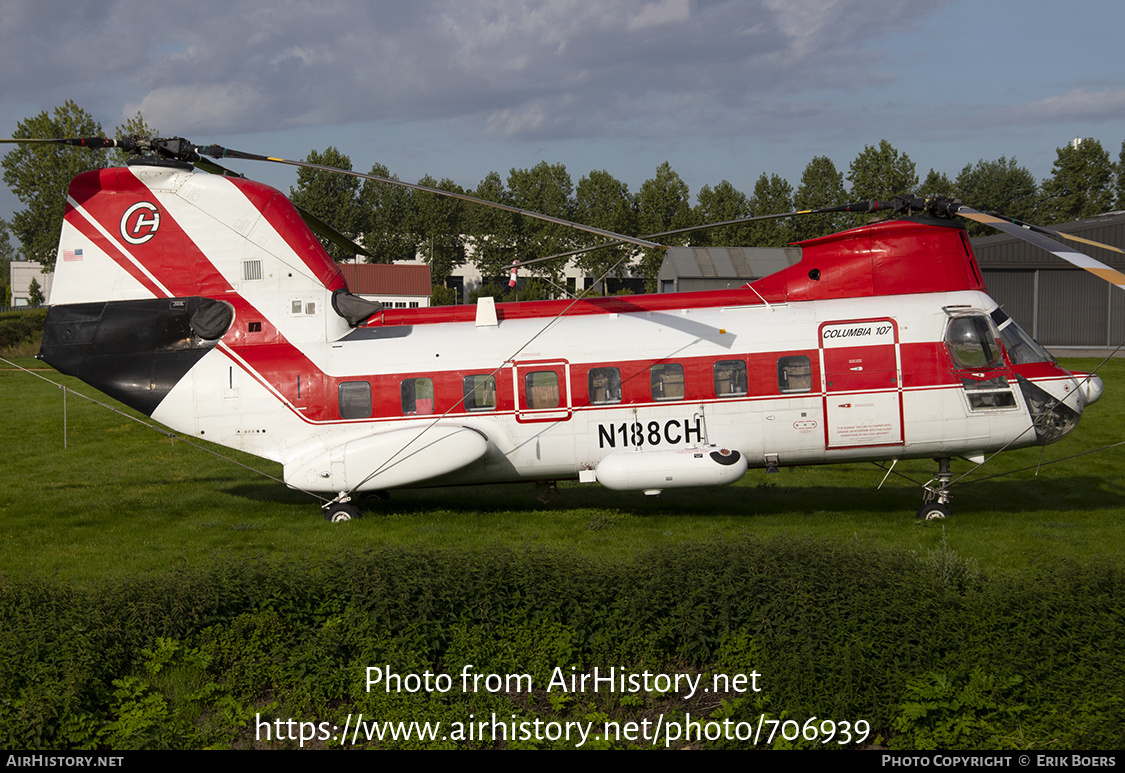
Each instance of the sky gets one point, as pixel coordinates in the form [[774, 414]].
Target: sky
[[721, 89]]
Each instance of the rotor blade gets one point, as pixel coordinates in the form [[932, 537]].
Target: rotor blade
[[328, 233], [93, 143], [1095, 267], [864, 206], [315, 224], [212, 168], [217, 151], [1040, 229]]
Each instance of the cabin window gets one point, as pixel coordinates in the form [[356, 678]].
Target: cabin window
[[989, 394], [355, 400], [541, 389], [794, 374], [604, 386], [295, 307], [480, 393], [971, 343], [667, 381], [730, 378], [417, 396]]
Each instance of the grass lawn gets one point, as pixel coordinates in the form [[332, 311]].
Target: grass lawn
[[121, 499]]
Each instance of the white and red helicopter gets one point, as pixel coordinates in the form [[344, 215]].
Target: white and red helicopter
[[205, 302]]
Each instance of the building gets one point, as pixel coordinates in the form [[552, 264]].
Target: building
[[20, 275], [396, 286], [690, 269]]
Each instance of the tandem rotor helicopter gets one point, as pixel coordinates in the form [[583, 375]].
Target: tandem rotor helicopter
[[205, 302]]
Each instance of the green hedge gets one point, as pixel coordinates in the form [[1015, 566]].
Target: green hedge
[[17, 327], [924, 648]]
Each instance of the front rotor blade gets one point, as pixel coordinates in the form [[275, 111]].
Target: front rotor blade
[[863, 206], [1096, 267], [1040, 229]]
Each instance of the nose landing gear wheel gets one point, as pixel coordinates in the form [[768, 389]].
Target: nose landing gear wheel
[[341, 512], [932, 512], [936, 496]]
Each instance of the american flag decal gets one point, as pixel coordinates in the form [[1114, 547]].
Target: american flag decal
[[71, 255]]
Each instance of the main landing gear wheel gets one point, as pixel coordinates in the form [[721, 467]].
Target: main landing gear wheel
[[341, 512]]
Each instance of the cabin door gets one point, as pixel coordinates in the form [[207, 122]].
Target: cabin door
[[861, 380], [541, 389]]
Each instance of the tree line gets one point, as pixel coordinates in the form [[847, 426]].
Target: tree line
[[395, 223]]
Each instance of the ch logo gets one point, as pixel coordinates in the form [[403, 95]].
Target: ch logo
[[140, 222]]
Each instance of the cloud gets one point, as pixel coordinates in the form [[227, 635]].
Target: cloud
[[1078, 103], [528, 70]]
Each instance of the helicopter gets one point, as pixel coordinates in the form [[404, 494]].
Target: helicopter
[[206, 302]]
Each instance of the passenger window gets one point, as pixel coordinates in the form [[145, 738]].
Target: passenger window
[[480, 393], [417, 396], [794, 374], [667, 381], [730, 378], [604, 385], [542, 389], [355, 400]]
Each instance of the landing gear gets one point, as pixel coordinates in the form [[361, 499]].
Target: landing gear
[[341, 511], [546, 491], [936, 499], [932, 512]]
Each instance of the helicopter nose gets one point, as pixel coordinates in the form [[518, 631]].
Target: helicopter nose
[[1091, 387]]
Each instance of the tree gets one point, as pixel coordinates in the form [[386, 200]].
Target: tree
[[772, 195], [35, 293], [998, 186], [386, 218], [662, 205], [7, 255], [40, 174], [937, 183], [546, 189], [821, 186], [491, 229], [882, 173], [439, 225], [1080, 184], [717, 205], [603, 201], [133, 127], [1119, 174], [331, 197]]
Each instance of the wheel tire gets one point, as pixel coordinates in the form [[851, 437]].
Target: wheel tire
[[933, 512], [340, 512]]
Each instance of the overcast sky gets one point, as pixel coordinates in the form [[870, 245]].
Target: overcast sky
[[722, 89]]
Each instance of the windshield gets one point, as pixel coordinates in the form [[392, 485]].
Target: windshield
[[1022, 348]]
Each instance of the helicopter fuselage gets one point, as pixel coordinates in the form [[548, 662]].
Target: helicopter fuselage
[[206, 303]]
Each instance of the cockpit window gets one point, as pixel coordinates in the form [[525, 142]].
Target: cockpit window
[[1022, 348], [972, 343]]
